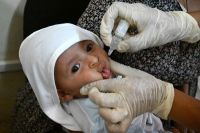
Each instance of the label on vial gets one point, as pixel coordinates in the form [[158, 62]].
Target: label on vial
[[121, 28]]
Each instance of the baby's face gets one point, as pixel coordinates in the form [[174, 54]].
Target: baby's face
[[82, 63]]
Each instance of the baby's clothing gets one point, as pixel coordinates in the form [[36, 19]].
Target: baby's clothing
[[86, 114]]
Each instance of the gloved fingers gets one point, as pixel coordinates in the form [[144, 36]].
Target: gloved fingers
[[120, 127], [107, 24], [131, 44], [138, 41], [118, 68], [114, 13], [106, 100], [105, 32], [84, 90], [126, 70], [113, 115], [127, 11], [121, 69], [108, 85], [113, 127], [123, 47]]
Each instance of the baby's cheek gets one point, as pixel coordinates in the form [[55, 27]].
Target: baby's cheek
[[95, 77], [92, 77]]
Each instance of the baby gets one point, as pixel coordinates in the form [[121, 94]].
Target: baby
[[58, 61], [82, 63]]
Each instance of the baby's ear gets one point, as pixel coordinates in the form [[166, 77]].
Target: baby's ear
[[64, 97]]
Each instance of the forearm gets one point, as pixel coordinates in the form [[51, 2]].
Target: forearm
[[186, 110], [196, 16]]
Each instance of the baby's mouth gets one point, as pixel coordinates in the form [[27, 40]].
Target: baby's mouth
[[106, 73]]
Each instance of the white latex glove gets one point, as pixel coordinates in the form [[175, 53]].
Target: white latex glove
[[155, 27], [121, 100]]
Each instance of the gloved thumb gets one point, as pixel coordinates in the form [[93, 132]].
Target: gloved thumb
[[107, 24], [105, 31], [107, 85], [125, 71], [102, 91]]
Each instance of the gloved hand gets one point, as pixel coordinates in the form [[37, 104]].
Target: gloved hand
[[155, 27], [121, 100]]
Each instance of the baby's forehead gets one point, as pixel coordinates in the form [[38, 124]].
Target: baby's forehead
[[74, 49], [83, 42]]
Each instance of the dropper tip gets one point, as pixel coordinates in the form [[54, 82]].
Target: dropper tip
[[110, 52]]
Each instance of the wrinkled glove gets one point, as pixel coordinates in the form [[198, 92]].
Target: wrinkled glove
[[121, 100], [155, 27]]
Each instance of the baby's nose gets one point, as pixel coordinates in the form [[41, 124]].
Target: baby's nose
[[93, 61]]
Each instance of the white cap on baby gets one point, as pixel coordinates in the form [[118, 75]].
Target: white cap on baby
[[38, 54]]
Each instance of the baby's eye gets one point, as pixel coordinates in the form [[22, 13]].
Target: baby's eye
[[89, 47], [75, 68]]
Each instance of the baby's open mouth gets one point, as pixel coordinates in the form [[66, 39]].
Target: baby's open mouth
[[106, 73]]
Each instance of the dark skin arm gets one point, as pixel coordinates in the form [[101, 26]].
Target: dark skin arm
[[186, 110]]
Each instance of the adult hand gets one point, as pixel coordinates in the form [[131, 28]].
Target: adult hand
[[154, 26], [121, 100]]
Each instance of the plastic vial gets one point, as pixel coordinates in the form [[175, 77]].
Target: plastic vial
[[119, 34]]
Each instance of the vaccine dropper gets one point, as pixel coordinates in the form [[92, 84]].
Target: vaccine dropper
[[119, 34]]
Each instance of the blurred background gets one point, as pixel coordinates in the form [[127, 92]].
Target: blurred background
[[18, 19], [11, 75]]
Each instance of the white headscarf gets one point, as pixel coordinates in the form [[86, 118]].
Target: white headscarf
[[38, 54]]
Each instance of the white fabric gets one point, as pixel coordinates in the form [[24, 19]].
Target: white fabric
[[38, 54], [87, 116]]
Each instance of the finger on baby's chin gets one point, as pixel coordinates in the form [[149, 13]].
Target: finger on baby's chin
[[115, 128], [113, 115], [106, 85], [105, 100], [120, 127], [84, 90]]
